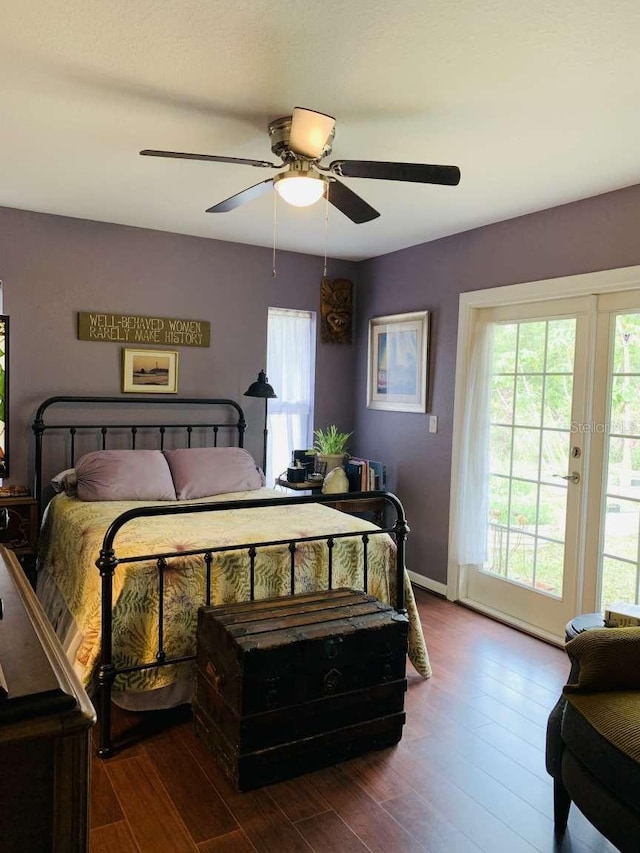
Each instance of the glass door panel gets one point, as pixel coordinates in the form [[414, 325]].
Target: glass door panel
[[529, 438], [537, 394], [619, 555]]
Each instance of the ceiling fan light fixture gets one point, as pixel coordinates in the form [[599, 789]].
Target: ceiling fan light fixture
[[299, 190], [301, 141]]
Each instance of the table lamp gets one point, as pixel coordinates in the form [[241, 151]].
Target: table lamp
[[261, 388]]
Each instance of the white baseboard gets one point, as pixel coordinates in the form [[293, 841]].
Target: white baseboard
[[532, 630], [428, 584]]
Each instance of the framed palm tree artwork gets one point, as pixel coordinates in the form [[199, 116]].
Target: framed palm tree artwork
[[398, 362]]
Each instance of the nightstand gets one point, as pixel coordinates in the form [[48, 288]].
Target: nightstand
[[365, 507], [371, 509], [19, 529], [305, 486]]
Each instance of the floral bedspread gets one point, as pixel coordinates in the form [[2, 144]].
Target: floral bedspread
[[70, 543]]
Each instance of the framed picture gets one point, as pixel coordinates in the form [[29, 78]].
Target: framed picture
[[398, 362], [148, 371]]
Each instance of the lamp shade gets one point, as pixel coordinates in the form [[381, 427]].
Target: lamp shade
[[299, 190], [260, 388]]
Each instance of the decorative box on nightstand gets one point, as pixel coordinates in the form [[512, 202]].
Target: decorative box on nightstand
[[19, 528]]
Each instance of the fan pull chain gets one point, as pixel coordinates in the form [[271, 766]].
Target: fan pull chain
[[275, 232], [326, 230]]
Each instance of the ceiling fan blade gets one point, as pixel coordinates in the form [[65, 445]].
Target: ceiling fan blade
[[310, 131], [180, 155], [240, 198], [350, 203], [420, 173]]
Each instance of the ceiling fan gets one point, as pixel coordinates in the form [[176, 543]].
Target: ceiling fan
[[302, 140]]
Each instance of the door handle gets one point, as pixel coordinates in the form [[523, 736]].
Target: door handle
[[573, 477]]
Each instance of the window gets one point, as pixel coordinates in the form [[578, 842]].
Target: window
[[291, 347]]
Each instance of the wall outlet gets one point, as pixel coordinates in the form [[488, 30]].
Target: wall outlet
[[433, 423]]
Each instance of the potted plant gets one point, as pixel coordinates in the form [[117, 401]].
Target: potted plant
[[331, 446]]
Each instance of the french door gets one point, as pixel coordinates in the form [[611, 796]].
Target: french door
[[563, 448], [537, 394], [612, 553]]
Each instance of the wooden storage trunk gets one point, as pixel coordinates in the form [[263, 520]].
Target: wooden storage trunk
[[288, 685]]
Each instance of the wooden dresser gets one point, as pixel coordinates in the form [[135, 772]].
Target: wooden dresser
[[45, 726]]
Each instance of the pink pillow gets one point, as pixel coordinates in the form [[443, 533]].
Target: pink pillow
[[199, 472], [124, 475], [65, 482]]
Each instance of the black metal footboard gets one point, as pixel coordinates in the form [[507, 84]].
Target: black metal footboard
[[109, 561]]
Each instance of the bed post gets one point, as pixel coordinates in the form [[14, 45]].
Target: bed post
[[38, 429], [106, 563], [401, 528]]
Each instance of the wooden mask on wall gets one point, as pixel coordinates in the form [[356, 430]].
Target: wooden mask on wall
[[336, 310]]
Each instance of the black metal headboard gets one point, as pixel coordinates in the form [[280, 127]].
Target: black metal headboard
[[189, 421]]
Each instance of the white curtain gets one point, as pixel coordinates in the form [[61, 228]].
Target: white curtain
[[471, 522], [291, 337]]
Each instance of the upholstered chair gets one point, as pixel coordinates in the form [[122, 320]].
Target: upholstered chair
[[593, 736]]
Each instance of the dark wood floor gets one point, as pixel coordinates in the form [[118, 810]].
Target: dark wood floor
[[467, 776]]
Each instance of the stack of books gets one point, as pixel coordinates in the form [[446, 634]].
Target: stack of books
[[365, 475], [622, 615]]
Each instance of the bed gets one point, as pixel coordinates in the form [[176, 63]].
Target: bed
[[121, 579]]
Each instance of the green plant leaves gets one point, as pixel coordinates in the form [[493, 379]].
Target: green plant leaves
[[331, 440]]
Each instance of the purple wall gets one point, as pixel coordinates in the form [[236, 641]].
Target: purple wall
[[52, 267], [595, 234]]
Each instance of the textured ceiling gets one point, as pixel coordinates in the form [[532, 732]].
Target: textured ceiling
[[537, 103]]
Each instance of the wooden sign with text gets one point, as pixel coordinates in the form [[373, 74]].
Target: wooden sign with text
[[135, 329]]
